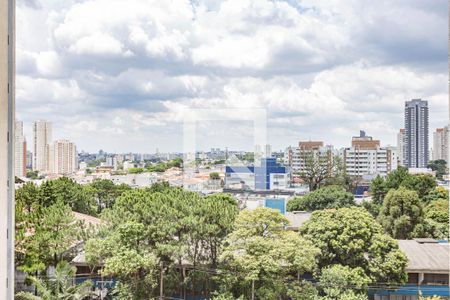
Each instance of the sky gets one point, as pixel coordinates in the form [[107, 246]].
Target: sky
[[123, 76]]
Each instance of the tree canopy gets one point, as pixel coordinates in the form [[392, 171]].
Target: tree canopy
[[352, 237], [261, 255], [164, 228], [323, 198], [402, 214], [440, 166]]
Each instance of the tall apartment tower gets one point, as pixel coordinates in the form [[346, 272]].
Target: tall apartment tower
[[63, 157], [42, 137], [401, 138], [7, 116], [20, 158], [416, 134], [440, 144]]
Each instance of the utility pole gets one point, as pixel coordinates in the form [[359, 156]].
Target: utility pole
[[161, 283], [253, 289]]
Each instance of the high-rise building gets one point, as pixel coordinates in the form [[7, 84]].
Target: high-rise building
[[29, 160], [7, 116], [366, 158], [63, 157], [401, 137], [440, 144], [20, 155], [42, 138], [416, 134]]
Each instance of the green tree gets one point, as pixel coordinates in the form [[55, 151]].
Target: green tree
[[105, 192], [173, 226], [54, 232], [214, 176], [33, 175], [437, 218], [440, 166], [439, 193], [339, 282], [128, 259], [136, 170], [396, 178], [262, 254], [323, 198], [318, 168], [159, 187], [351, 237], [75, 195], [378, 190], [423, 184], [59, 286], [402, 214]]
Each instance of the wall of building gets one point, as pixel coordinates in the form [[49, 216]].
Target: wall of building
[[6, 149]]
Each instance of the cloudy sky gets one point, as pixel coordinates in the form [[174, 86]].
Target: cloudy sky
[[121, 75]]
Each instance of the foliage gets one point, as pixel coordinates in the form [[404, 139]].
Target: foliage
[[423, 184], [33, 175], [214, 176], [159, 227], [318, 168], [159, 187], [59, 286], [351, 237], [135, 170], [437, 218], [371, 207], [437, 194], [440, 166], [53, 230], [262, 252], [45, 226], [164, 166], [105, 192], [378, 189], [337, 280], [339, 176], [323, 198], [402, 214]]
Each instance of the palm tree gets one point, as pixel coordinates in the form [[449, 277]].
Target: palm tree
[[59, 287]]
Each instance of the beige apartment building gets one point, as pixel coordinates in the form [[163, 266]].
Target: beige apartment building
[[367, 158], [20, 159], [42, 138], [440, 144], [7, 86], [63, 157]]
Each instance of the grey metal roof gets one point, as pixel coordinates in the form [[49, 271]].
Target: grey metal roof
[[429, 256]]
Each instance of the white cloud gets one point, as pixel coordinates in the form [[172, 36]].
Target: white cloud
[[323, 69]]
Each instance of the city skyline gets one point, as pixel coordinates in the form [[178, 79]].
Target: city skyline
[[157, 149], [126, 86]]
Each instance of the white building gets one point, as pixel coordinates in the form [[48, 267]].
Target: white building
[[82, 166], [42, 137], [63, 157], [401, 140], [440, 144], [135, 180], [112, 162], [367, 158], [128, 165], [299, 157], [20, 154]]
